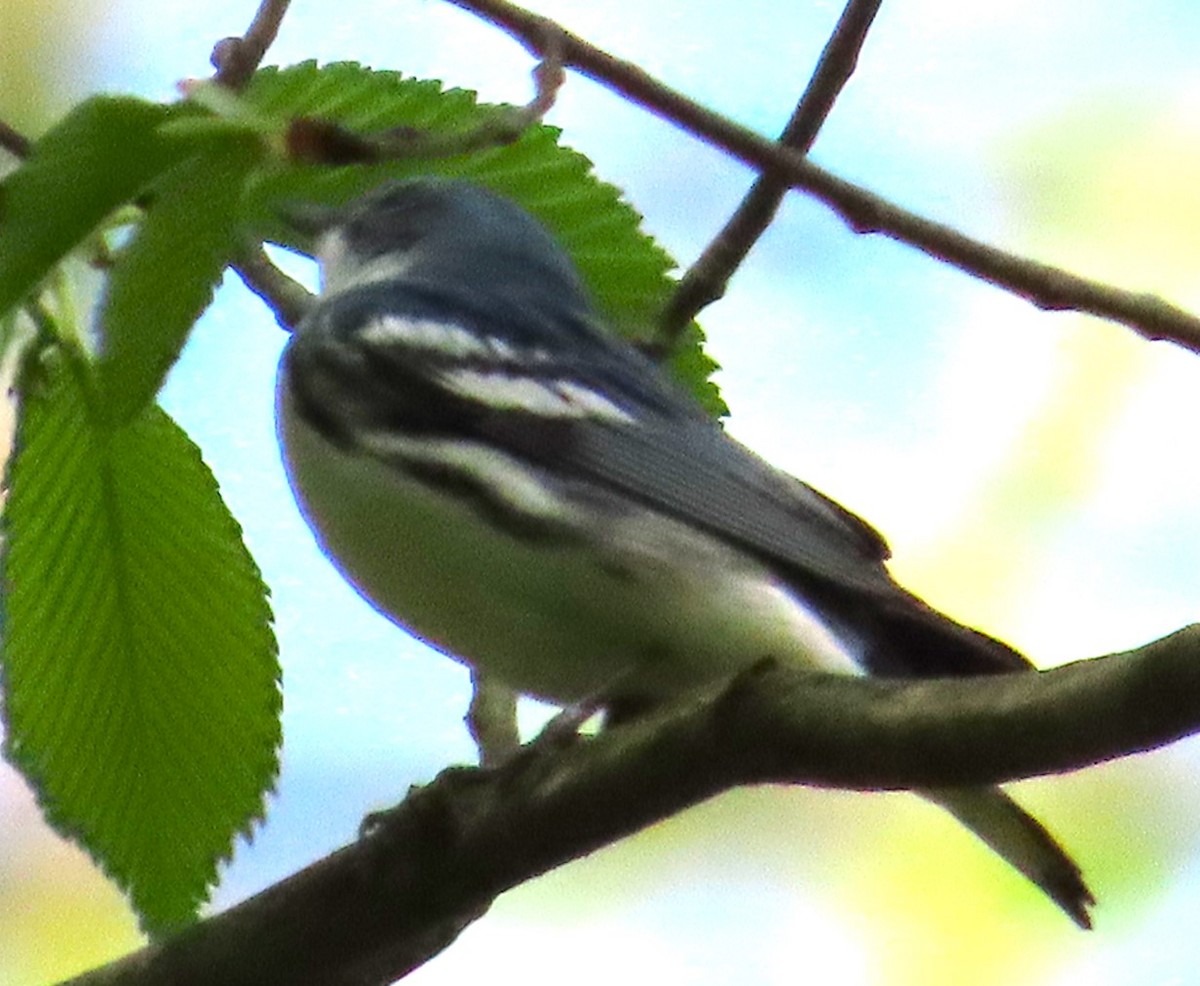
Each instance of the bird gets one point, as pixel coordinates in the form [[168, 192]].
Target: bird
[[498, 472]]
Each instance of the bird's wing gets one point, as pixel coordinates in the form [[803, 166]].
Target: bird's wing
[[554, 390], [410, 370]]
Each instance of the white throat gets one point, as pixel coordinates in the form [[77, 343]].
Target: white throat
[[342, 269]]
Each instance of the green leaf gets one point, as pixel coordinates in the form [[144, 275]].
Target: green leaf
[[99, 156], [625, 269], [139, 664], [164, 279]]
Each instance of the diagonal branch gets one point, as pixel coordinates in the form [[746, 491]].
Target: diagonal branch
[[288, 299], [236, 59], [378, 908], [15, 142], [1043, 285], [707, 279]]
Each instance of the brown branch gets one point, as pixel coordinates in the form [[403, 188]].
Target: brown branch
[[16, 143], [707, 279], [380, 907], [236, 59], [1041, 284], [288, 299], [548, 75]]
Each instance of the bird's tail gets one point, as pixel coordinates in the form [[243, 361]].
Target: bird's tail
[[1022, 840]]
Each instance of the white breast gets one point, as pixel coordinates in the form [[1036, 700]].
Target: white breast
[[661, 607]]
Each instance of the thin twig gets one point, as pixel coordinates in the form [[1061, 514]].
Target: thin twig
[[16, 143], [319, 141], [1043, 285], [501, 127], [236, 59], [707, 279], [548, 75], [287, 298]]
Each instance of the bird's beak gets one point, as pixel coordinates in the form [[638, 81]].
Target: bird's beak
[[310, 219]]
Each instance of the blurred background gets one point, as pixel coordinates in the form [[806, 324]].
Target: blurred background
[[1035, 474]]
